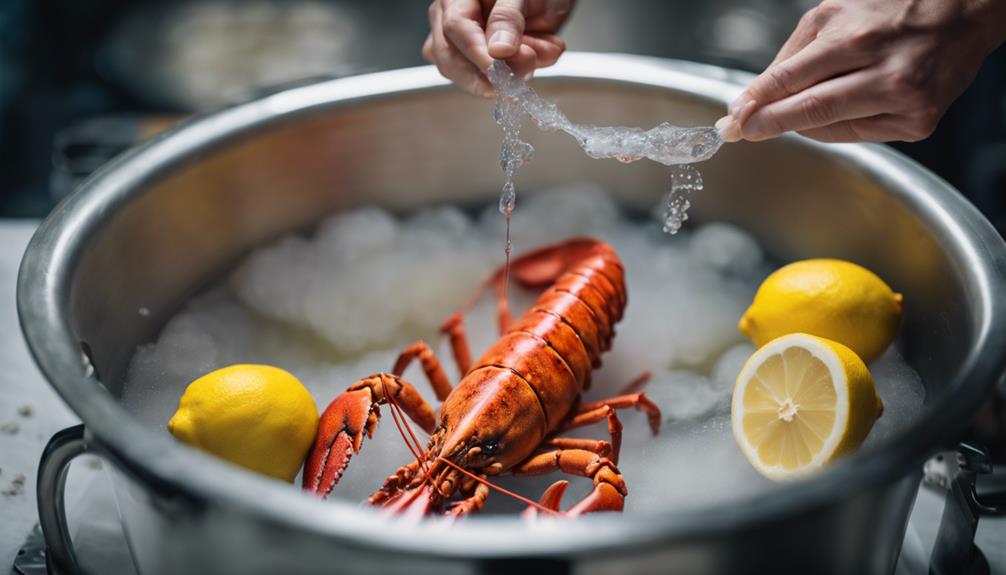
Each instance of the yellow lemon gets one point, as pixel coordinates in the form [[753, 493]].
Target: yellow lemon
[[256, 416], [835, 299], [800, 402]]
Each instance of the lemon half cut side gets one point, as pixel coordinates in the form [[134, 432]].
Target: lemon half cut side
[[801, 402]]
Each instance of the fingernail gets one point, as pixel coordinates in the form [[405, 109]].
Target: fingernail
[[728, 129], [528, 76], [502, 39]]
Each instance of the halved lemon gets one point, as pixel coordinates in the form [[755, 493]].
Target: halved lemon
[[800, 402]]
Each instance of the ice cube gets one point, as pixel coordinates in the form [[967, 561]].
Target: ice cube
[[727, 248]]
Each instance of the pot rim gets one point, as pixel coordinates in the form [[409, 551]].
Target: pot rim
[[171, 469]]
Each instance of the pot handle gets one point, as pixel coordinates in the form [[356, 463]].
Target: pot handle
[[63, 448], [954, 550]]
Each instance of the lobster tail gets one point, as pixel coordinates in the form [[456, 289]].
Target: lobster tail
[[554, 346]]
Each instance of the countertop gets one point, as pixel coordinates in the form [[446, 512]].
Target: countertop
[[22, 388]]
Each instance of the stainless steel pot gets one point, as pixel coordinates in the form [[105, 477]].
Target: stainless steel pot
[[162, 221]]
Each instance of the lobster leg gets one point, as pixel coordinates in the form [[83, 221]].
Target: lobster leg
[[637, 400], [503, 315], [471, 504], [351, 415], [602, 448], [394, 484], [455, 330], [609, 487], [595, 415], [431, 366], [552, 496], [637, 384]]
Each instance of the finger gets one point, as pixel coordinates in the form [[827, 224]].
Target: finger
[[804, 33], [729, 129], [524, 63], [818, 61], [427, 50], [547, 48], [504, 28], [550, 18], [879, 128], [856, 95], [905, 127], [462, 26], [453, 65]]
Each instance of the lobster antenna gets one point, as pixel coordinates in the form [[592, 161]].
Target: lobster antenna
[[496, 279], [487, 483], [474, 298], [415, 448]]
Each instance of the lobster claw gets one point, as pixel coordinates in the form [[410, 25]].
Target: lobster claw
[[340, 435], [551, 499], [352, 415]]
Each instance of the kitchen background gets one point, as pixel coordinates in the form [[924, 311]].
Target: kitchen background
[[81, 81]]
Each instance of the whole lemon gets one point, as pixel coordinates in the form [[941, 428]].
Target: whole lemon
[[829, 298], [257, 416]]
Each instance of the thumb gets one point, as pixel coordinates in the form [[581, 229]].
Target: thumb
[[504, 28]]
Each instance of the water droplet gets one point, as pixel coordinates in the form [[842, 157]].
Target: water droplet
[[684, 180], [508, 198]]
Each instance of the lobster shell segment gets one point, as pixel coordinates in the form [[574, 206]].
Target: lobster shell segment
[[534, 361], [560, 336]]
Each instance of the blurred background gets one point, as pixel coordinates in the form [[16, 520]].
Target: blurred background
[[82, 81]]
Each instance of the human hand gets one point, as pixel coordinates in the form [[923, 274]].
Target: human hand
[[869, 70], [467, 35]]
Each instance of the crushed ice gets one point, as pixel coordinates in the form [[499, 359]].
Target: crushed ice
[[666, 144]]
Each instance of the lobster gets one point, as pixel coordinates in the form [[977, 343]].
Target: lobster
[[510, 407]]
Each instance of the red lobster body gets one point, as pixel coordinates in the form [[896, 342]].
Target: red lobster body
[[507, 410]]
